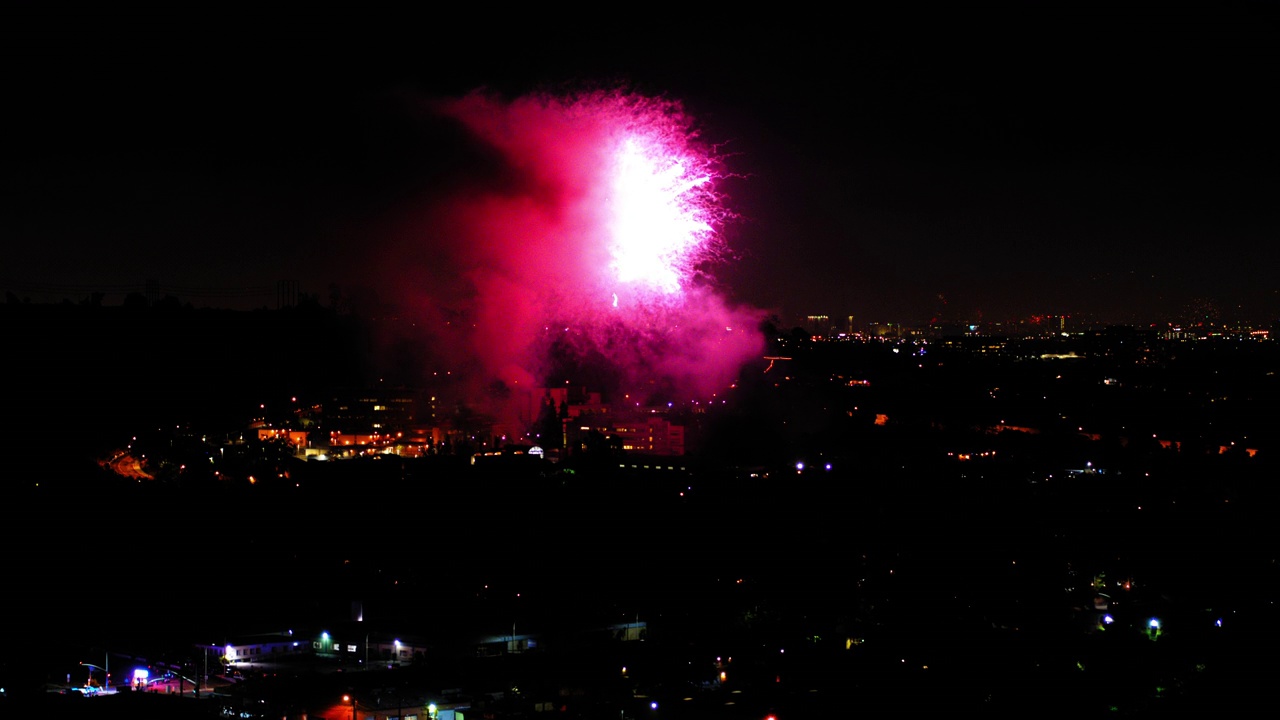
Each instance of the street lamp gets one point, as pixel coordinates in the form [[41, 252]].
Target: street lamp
[[350, 699], [106, 676], [206, 649]]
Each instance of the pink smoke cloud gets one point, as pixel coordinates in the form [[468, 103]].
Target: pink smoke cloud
[[596, 239]]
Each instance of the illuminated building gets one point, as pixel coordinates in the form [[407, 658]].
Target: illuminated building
[[296, 438], [640, 430], [384, 411], [818, 325]]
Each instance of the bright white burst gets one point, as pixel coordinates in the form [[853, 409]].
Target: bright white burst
[[660, 216]]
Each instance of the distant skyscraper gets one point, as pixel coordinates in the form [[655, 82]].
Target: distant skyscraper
[[818, 324], [286, 293]]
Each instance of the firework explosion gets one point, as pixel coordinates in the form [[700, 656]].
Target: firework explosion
[[590, 246]]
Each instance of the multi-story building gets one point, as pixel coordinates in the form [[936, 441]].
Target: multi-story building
[[383, 410], [642, 430]]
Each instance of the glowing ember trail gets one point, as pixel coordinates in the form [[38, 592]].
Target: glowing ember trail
[[586, 245]]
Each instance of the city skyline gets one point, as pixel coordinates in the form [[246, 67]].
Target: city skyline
[[494, 440]]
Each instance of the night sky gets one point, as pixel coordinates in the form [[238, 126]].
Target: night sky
[[893, 171]]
